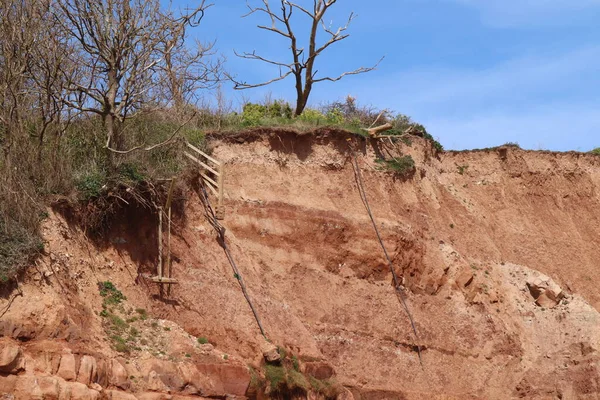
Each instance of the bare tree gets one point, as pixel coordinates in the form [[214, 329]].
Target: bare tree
[[30, 81], [18, 24], [131, 54], [302, 66]]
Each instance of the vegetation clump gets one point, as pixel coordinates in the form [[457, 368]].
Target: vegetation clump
[[112, 296], [284, 379], [402, 166], [18, 247]]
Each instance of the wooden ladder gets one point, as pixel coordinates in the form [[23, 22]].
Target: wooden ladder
[[164, 266], [212, 172]]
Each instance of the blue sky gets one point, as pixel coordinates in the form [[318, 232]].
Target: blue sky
[[476, 73]]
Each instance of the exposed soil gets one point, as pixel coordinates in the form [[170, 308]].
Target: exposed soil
[[466, 233]]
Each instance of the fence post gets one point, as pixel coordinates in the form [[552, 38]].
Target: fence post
[[220, 180], [160, 243]]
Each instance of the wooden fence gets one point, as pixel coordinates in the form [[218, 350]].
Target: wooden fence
[[212, 172]]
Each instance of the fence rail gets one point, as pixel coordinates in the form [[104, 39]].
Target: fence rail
[[212, 172]]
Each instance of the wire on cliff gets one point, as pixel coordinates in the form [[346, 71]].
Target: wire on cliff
[[220, 229], [397, 286]]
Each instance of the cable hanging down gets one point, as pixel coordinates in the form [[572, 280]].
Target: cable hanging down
[[220, 229], [398, 288]]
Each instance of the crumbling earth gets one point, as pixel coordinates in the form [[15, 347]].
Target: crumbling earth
[[496, 249]]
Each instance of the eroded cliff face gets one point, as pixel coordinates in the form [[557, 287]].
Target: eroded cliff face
[[467, 233]]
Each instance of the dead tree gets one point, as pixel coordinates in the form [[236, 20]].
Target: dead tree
[[302, 66], [126, 50]]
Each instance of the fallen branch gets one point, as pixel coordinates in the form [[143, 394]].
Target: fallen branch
[[378, 129]]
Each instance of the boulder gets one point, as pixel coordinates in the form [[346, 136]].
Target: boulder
[[155, 383], [11, 358], [162, 376], [270, 352], [545, 291], [545, 300], [50, 387], [66, 368], [195, 383], [79, 391], [87, 370], [464, 279], [118, 375], [231, 379], [102, 372], [345, 394], [319, 370], [154, 396], [7, 385], [27, 387], [118, 395]]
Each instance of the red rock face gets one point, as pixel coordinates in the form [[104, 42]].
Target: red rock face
[[464, 246]]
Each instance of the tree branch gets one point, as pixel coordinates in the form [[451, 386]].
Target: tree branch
[[244, 85], [154, 146], [360, 70]]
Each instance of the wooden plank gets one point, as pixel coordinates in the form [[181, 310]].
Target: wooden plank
[[208, 178], [203, 154], [212, 189], [191, 157], [163, 279], [170, 195], [220, 178]]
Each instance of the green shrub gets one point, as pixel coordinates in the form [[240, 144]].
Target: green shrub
[[278, 109], [275, 375], [403, 124], [402, 166], [256, 382], [297, 381], [195, 137], [330, 389], [258, 114], [112, 296], [462, 169], [335, 116], [120, 344], [596, 151], [131, 173], [117, 322], [295, 363], [143, 313], [252, 114], [202, 340], [90, 184], [311, 115]]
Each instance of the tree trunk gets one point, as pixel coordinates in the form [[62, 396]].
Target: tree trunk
[[300, 101], [109, 122]]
